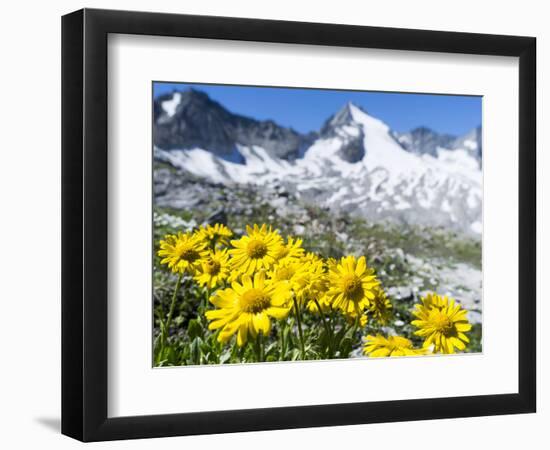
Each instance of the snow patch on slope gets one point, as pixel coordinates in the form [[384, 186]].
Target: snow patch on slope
[[170, 106]]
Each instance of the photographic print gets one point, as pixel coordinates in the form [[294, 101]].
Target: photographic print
[[312, 224]]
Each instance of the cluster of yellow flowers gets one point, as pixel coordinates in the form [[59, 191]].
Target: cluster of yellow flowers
[[262, 277]]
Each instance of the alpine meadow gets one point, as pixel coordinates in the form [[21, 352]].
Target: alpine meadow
[[309, 224]]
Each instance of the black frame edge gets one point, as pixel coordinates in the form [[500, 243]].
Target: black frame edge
[[169, 425], [84, 242], [527, 252], [72, 320]]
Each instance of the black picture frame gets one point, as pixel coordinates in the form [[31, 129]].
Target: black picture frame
[[84, 224]]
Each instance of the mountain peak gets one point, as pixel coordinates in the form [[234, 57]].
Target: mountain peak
[[172, 103], [198, 98], [187, 119], [424, 140], [192, 95], [344, 116], [421, 130], [349, 105], [343, 126]]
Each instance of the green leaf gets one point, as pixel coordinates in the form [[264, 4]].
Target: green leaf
[[194, 329], [196, 350], [271, 348], [225, 356], [295, 354], [345, 347]]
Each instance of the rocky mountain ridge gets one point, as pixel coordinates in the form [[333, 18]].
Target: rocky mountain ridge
[[355, 163]]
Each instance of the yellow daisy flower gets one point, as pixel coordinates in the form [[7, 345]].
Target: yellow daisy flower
[[441, 323], [352, 285], [291, 250], [324, 303], [311, 257], [380, 346], [217, 235], [331, 263], [246, 308], [311, 282], [255, 251], [286, 270], [432, 300], [182, 252], [380, 306], [214, 269], [363, 319]]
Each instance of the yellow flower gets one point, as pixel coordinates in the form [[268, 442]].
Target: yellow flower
[[380, 306], [352, 285], [324, 303], [441, 323], [215, 236], [214, 269], [380, 346], [246, 308], [311, 283], [286, 270], [311, 257], [330, 263], [433, 300], [291, 250], [257, 250], [351, 317], [183, 252]]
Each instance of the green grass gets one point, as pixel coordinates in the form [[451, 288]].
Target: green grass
[[422, 242], [385, 245]]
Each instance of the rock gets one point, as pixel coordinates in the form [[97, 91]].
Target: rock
[[401, 293], [474, 317], [279, 202], [399, 253], [219, 216], [299, 229], [342, 236]]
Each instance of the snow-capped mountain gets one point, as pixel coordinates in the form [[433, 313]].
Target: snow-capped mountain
[[356, 163], [471, 142], [191, 119], [423, 140]]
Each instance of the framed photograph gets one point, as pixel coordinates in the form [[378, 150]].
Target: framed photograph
[[273, 224]]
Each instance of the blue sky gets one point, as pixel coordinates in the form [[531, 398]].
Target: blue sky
[[307, 109]]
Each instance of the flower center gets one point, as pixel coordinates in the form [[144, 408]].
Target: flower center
[[352, 287], [441, 321], [254, 301], [212, 267], [256, 248], [188, 253]]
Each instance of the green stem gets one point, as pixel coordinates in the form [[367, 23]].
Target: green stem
[[170, 313], [355, 327], [282, 331], [332, 324], [300, 332], [261, 350], [327, 328], [206, 299], [357, 319]]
